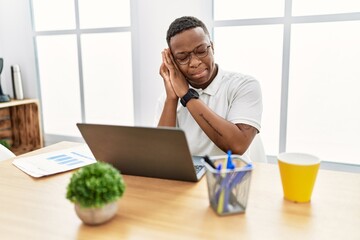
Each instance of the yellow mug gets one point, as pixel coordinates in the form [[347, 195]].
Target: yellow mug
[[298, 174]]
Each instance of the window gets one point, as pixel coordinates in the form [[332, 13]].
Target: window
[[317, 7], [84, 63], [261, 59], [307, 67], [60, 89], [104, 13], [323, 115], [53, 15], [246, 9], [107, 81]]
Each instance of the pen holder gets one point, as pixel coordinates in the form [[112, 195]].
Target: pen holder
[[228, 189]]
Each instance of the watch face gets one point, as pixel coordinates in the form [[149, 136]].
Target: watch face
[[192, 93]]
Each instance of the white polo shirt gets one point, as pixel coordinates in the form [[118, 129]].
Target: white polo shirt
[[233, 96]]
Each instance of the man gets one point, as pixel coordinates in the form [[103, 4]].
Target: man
[[218, 110]]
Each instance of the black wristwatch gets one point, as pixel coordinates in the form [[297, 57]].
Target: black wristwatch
[[192, 93]]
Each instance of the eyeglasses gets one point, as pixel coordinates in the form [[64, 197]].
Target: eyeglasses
[[184, 57]]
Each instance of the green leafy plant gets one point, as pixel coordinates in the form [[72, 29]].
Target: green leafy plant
[[5, 143], [95, 185]]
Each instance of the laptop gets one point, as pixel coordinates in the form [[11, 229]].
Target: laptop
[[144, 151]]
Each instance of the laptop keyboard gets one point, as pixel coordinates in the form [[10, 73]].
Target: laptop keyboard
[[198, 168]]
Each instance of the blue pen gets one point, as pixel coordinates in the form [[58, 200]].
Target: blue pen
[[237, 179], [240, 175], [217, 187], [229, 164], [219, 168], [224, 191]]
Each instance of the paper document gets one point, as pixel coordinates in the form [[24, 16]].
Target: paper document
[[56, 161]]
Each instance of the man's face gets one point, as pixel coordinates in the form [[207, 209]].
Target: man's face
[[189, 49]]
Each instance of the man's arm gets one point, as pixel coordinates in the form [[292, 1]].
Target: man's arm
[[168, 115], [226, 135]]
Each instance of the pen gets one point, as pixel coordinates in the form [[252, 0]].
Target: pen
[[208, 161], [229, 164], [223, 199]]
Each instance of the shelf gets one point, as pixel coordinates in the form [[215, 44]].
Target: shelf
[[20, 125]]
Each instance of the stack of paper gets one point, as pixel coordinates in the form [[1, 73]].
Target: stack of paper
[[55, 162]]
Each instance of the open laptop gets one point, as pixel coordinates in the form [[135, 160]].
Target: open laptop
[[144, 151]]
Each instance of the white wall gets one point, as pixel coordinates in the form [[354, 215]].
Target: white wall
[[16, 45], [150, 20]]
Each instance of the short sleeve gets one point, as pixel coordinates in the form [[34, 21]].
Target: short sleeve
[[246, 103]]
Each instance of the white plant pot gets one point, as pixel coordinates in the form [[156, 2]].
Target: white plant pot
[[95, 216]]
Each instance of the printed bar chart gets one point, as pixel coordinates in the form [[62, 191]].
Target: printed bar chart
[[64, 159], [55, 162]]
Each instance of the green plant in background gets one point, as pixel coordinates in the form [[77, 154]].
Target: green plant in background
[[95, 185], [5, 143]]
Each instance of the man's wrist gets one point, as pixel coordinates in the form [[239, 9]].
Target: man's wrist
[[172, 100], [191, 94]]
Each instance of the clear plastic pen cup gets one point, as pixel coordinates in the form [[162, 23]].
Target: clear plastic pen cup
[[228, 189]]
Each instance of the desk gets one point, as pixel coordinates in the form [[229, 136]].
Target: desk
[[163, 209]]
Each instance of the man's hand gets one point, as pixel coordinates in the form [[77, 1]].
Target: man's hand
[[168, 115], [165, 74], [173, 73]]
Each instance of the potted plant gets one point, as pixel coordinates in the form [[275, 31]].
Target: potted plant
[[5, 143], [95, 189]]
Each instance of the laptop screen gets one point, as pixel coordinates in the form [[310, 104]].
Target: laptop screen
[[143, 151]]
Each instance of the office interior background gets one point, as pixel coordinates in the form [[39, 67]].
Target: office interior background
[[98, 62]]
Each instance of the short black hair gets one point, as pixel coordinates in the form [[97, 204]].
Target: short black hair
[[184, 23]]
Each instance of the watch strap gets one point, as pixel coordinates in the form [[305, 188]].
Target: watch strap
[[192, 93]]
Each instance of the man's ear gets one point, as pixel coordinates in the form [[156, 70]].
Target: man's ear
[[212, 46]]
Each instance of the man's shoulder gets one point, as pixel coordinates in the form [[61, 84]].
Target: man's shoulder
[[237, 78], [236, 83]]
